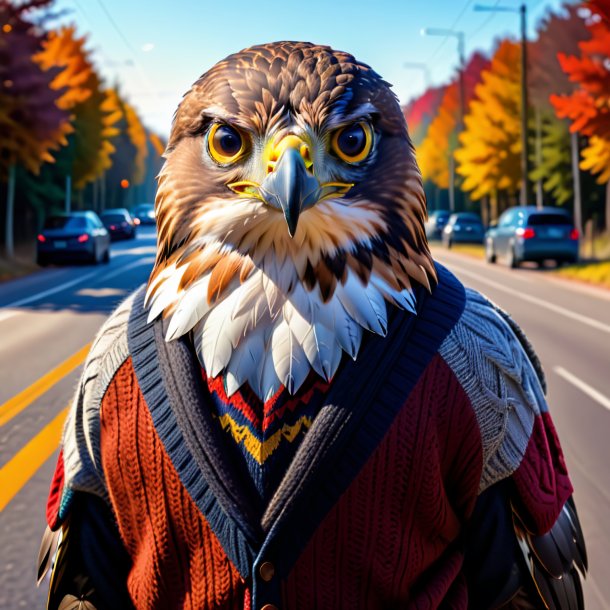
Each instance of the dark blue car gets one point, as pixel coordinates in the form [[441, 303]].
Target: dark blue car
[[66, 238], [527, 233], [463, 228]]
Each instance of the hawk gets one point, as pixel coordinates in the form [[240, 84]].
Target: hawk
[[302, 409]]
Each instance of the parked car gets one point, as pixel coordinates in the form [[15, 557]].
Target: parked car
[[79, 236], [145, 213], [527, 233], [119, 223], [436, 223], [463, 228]]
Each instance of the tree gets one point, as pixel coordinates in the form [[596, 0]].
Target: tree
[[588, 107], [31, 122], [558, 33], [441, 139], [94, 112], [420, 112], [489, 156]]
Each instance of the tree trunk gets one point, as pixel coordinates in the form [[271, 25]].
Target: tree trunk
[[608, 207], [10, 212], [539, 194]]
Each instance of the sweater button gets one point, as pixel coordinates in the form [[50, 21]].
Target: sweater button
[[269, 607], [267, 571]]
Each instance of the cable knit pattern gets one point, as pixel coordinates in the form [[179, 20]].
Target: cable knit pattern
[[493, 366], [388, 543], [81, 445], [178, 562]]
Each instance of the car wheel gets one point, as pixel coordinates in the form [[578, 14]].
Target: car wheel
[[490, 256], [511, 258], [95, 257], [448, 244], [106, 258], [42, 260]]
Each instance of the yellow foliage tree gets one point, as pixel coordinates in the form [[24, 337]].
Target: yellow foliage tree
[[489, 156], [138, 136], [433, 154]]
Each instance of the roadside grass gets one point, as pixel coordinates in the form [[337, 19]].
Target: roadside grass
[[11, 269], [473, 250], [22, 264], [597, 273]]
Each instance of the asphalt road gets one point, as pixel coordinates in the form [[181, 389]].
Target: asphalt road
[[47, 319]]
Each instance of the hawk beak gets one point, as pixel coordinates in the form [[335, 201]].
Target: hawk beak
[[290, 187]]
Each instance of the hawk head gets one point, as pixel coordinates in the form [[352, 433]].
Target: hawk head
[[290, 211]]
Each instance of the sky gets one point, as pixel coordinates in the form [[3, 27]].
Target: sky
[[155, 49]]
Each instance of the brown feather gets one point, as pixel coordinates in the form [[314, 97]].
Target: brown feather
[[222, 274]]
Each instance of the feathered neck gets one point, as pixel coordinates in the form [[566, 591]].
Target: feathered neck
[[268, 329]]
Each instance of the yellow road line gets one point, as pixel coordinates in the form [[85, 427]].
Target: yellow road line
[[22, 467], [18, 403]]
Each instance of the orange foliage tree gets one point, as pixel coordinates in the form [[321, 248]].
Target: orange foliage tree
[[489, 155], [558, 33], [588, 107], [436, 150]]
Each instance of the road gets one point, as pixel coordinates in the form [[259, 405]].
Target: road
[[47, 319]]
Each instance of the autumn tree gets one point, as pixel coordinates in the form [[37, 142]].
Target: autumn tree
[[588, 107], [435, 152], [558, 33], [490, 145], [93, 112], [420, 112], [32, 124]]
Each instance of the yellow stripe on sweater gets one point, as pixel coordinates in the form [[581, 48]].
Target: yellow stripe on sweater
[[260, 451]]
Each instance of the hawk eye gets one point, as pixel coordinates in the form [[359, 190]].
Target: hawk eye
[[225, 143], [352, 144]]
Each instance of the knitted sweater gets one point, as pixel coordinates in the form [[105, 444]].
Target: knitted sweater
[[372, 509]]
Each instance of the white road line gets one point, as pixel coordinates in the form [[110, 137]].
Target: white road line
[[36, 297], [540, 302], [46, 293], [604, 401], [120, 270]]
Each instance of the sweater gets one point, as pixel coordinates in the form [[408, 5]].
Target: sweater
[[371, 510]]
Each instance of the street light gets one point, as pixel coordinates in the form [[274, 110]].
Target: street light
[[460, 38], [524, 143]]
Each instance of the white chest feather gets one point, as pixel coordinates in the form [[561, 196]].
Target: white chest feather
[[270, 331]]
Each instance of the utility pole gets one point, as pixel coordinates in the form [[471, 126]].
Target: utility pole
[[522, 10], [462, 95]]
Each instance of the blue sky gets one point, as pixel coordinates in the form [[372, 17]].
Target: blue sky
[[155, 49]]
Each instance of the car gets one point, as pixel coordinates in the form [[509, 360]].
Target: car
[[144, 213], [78, 236], [463, 228], [528, 233], [119, 223], [435, 223]]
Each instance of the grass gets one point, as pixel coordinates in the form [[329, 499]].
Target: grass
[[473, 250], [11, 269], [22, 264], [597, 273]]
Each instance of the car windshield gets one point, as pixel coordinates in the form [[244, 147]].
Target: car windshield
[[113, 218], [549, 219], [467, 220], [144, 209], [65, 222]]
